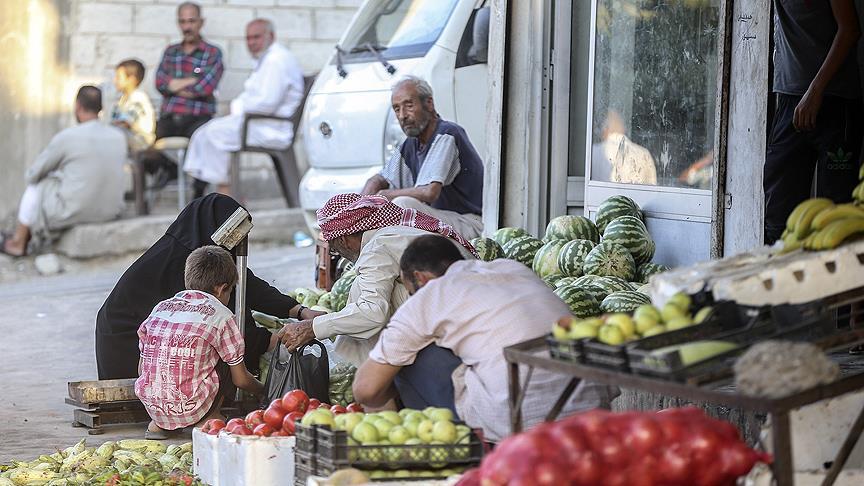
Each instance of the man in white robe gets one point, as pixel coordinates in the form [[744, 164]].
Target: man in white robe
[[274, 88]]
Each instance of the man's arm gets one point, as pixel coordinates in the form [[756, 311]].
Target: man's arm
[[374, 185], [846, 37], [272, 81], [244, 380], [210, 75], [428, 193], [162, 77], [373, 383]]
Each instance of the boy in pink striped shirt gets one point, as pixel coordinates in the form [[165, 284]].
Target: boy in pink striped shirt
[[188, 345]]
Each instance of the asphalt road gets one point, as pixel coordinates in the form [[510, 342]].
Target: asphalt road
[[47, 339]]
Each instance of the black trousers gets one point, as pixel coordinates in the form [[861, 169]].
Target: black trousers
[[169, 125], [832, 151]]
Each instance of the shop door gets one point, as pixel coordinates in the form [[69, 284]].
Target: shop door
[[653, 118]]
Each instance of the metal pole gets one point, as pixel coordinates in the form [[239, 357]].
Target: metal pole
[[240, 301], [181, 179]]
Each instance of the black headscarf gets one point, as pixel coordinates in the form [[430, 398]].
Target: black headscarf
[[158, 275]]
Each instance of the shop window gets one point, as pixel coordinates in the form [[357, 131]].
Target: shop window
[[655, 92]]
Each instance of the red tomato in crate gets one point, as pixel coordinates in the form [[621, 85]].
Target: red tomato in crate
[[274, 415], [263, 430], [233, 423], [213, 426], [355, 407], [254, 418], [337, 409], [324, 405], [289, 423], [295, 401], [313, 404]]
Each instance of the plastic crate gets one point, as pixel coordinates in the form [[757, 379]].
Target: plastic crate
[[306, 436], [333, 447], [570, 350], [305, 465], [325, 468]]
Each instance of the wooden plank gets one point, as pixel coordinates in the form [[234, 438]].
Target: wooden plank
[[748, 112], [493, 169], [721, 117], [102, 390]]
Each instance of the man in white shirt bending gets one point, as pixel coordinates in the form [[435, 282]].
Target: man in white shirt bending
[[275, 87]]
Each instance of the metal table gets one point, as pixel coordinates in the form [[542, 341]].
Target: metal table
[[535, 354]]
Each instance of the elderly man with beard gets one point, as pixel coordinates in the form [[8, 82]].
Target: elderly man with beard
[[372, 232], [275, 87], [436, 169]]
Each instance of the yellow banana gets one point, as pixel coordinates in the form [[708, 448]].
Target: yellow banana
[[802, 226], [861, 172], [796, 213], [837, 232], [841, 211], [858, 192]]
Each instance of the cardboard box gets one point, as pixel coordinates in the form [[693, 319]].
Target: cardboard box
[[232, 460]]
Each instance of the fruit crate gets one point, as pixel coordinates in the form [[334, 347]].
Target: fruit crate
[[571, 351], [325, 468], [306, 439], [305, 465], [805, 323], [333, 447]]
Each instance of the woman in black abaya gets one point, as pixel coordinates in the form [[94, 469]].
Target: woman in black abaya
[[158, 275]]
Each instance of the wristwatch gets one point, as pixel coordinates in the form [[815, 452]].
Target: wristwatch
[[300, 312]]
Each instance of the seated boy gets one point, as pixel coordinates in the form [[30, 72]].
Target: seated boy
[[188, 345], [133, 111]]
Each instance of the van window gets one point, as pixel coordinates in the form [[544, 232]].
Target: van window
[[474, 46], [398, 29]]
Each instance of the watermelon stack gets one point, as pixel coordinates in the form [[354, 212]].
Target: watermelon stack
[[504, 235], [615, 207], [580, 301], [522, 249], [546, 259], [610, 259], [570, 228], [572, 257]]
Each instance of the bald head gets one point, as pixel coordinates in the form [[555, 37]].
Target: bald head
[[259, 36]]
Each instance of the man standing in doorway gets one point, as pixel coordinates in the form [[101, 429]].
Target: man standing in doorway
[[187, 78], [275, 87], [818, 121], [436, 170]]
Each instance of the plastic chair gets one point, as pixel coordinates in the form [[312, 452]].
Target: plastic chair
[[174, 149]]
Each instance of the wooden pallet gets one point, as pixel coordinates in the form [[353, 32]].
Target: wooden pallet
[[105, 402]]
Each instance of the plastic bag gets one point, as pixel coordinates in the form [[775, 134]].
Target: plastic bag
[[306, 369]]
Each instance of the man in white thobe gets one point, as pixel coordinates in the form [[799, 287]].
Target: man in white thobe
[[274, 88]]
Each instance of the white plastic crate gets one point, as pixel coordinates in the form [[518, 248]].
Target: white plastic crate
[[230, 460]]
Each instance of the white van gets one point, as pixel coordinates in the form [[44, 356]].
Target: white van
[[348, 128]]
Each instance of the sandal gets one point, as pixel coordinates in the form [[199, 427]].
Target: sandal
[[3, 238]]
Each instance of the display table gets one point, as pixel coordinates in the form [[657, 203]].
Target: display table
[[535, 354]]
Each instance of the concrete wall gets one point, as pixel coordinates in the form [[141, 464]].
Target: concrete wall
[[50, 47]]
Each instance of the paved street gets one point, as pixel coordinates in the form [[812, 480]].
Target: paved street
[[47, 328]]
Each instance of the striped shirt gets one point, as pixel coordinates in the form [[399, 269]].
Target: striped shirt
[[476, 309], [181, 342], [205, 64]]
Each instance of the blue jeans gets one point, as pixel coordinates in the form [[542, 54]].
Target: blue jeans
[[427, 382]]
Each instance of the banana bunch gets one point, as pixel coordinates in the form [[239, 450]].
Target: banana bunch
[[819, 224]]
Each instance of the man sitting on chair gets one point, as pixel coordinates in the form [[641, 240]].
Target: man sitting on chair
[[274, 88]]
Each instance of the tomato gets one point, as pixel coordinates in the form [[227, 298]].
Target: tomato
[[254, 418], [213, 426], [234, 423], [313, 404], [263, 430], [289, 422], [642, 435], [241, 430], [323, 405], [354, 407], [274, 415], [337, 409], [295, 401]]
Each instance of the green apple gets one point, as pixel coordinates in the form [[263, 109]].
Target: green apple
[[671, 311], [594, 321], [678, 323], [350, 420], [383, 426], [365, 433], [463, 433], [658, 329], [444, 431], [319, 416], [424, 431], [371, 418], [647, 310], [418, 454], [391, 416], [645, 321], [682, 300], [398, 435], [624, 322], [610, 334], [405, 411], [411, 426], [437, 414], [702, 314], [428, 412], [339, 420], [582, 330], [559, 332], [412, 415]]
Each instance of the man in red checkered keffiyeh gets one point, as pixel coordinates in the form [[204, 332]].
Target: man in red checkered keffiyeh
[[348, 214]]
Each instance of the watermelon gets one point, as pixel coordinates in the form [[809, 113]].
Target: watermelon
[[522, 249], [610, 259], [630, 232], [572, 256], [487, 248], [503, 235], [646, 254], [625, 301], [552, 280], [596, 291], [581, 303], [546, 259], [645, 290], [615, 207], [647, 269], [565, 281], [570, 227]]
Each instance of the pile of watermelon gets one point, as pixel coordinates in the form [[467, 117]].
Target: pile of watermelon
[[593, 267]]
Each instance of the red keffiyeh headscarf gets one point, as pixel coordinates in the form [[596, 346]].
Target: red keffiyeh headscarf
[[346, 214]]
